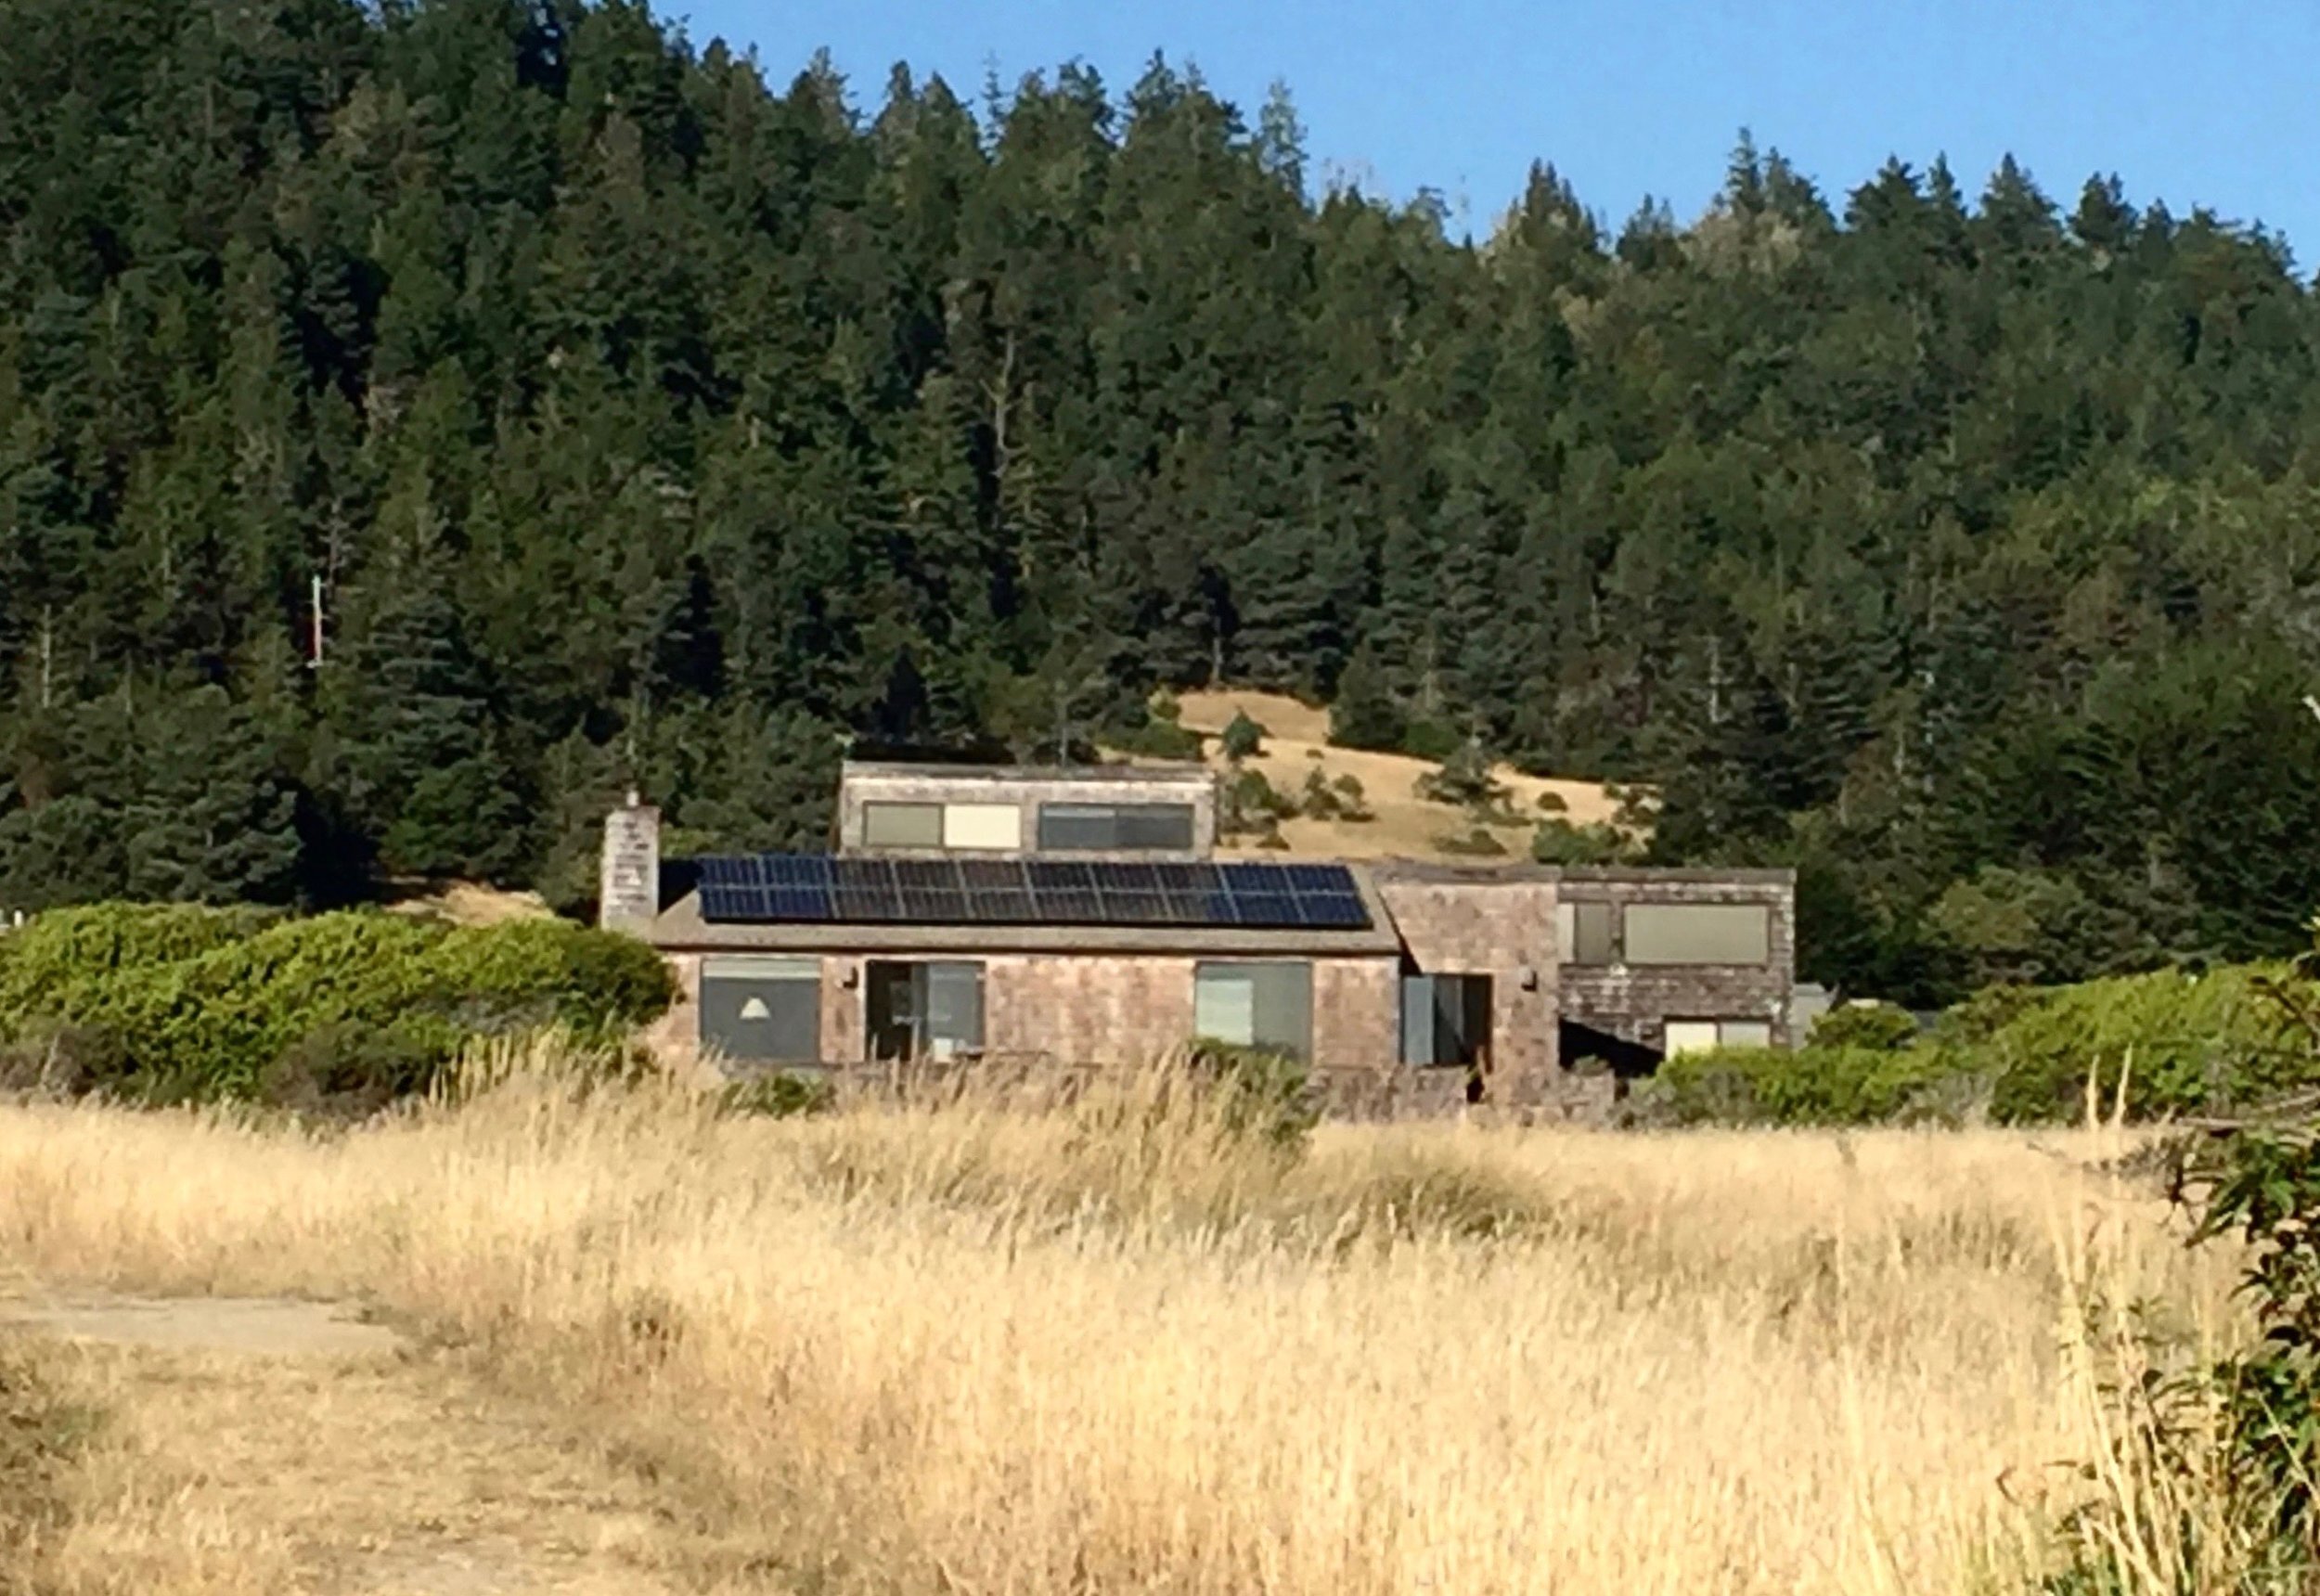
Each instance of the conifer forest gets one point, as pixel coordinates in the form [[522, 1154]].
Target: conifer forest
[[422, 420]]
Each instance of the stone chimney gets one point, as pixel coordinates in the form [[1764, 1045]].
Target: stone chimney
[[629, 896]]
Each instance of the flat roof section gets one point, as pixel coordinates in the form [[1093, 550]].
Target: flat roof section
[[1611, 875], [1148, 775]]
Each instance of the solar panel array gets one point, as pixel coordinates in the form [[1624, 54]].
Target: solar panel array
[[808, 888]]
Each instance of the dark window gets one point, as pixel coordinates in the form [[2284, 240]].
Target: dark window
[[1268, 1006], [762, 1010], [1445, 1020], [1592, 934], [924, 1010], [1115, 828]]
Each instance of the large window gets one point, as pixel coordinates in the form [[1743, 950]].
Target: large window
[[1585, 932], [762, 1010], [1698, 934], [923, 1010], [994, 827], [902, 825], [1115, 828], [1703, 1036], [1445, 1020], [962, 828], [1268, 1006]]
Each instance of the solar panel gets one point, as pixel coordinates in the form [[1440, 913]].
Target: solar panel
[[999, 905], [1194, 879], [1331, 911], [1137, 908], [1059, 875], [1068, 905], [735, 902], [728, 873], [1265, 908], [797, 870], [926, 875], [934, 907], [808, 888], [795, 903], [1247, 878], [866, 890]]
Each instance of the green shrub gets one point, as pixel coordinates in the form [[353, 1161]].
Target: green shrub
[[2189, 1043], [346, 1071], [1243, 738], [2215, 1463], [1475, 843], [1320, 799], [1871, 1025], [539, 972], [339, 1010], [1251, 803], [1467, 780], [777, 1095], [1557, 842], [66, 959], [1157, 739], [55, 1058], [1430, 739], [1812, 1086], [1263, 1093]]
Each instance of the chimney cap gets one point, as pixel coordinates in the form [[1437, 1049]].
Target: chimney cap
[[635, 799]]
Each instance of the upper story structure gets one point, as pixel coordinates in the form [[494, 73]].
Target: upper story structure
[[931, 811]]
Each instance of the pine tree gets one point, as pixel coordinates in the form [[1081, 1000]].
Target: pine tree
[[215, 816]]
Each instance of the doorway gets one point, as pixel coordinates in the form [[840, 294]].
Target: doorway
[[922, 1009], [1446, 1025]]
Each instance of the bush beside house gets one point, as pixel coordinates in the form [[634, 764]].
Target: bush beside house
[[182, 1003], [2188, 1043]]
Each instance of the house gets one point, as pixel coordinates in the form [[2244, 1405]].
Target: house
[[1083, 917]]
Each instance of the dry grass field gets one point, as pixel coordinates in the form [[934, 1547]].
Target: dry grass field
[[1109, 1347]]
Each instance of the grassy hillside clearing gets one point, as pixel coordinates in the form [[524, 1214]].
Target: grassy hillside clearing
[[1406, 825]]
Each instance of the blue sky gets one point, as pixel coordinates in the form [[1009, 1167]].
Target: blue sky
[[2196, 103]]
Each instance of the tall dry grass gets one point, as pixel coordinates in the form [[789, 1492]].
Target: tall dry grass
[[1114, 1346]]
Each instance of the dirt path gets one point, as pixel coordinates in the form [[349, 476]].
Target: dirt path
[[274, 1446]]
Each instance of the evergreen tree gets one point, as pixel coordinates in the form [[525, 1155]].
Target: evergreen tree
[[215, 816]]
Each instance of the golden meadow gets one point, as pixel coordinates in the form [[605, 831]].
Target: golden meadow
[[998, 1345]]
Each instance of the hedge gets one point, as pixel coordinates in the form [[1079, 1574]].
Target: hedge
[[2190, 1043], [185, 1003], [1809, 1086]]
